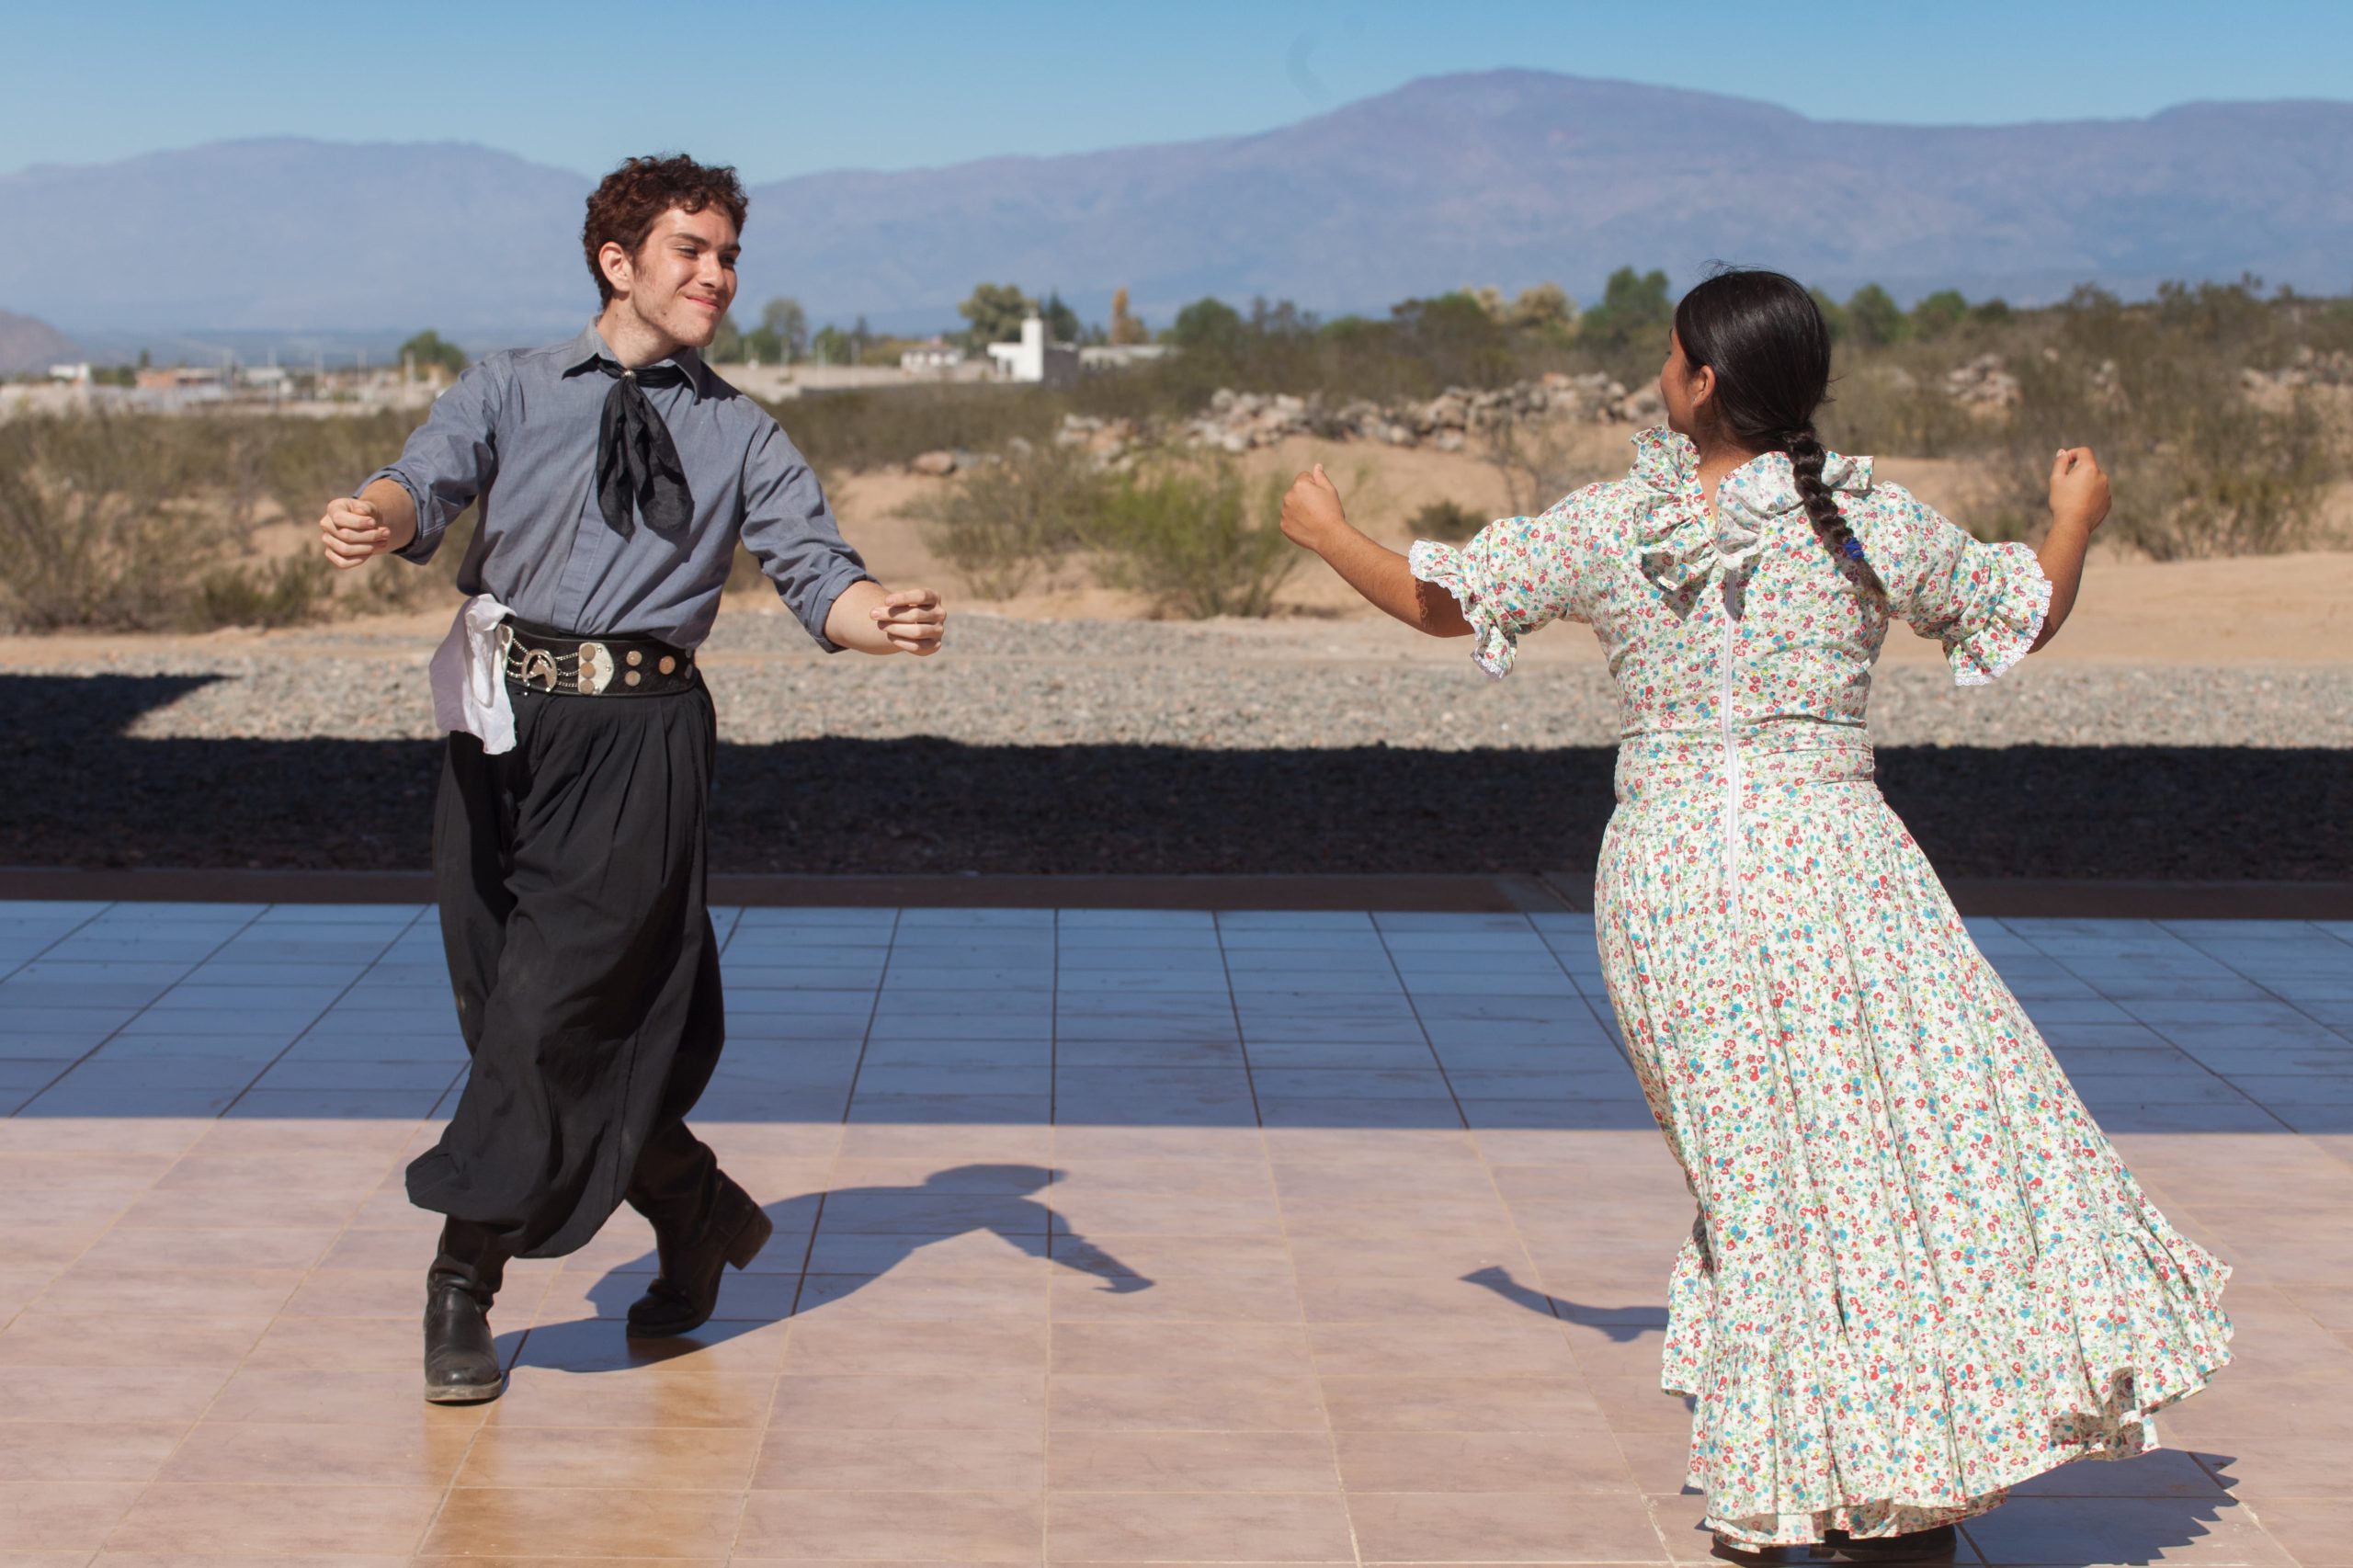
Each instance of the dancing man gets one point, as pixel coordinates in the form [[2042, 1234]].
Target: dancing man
[[614, 474]]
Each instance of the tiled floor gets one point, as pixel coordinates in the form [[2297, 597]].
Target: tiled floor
[[1101, 1238]]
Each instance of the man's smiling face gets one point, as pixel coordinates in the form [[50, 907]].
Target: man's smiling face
[[683, 277]]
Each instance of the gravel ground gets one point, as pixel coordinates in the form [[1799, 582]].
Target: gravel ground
[[1142, 747]]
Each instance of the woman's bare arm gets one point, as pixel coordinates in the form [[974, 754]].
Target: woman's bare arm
[[2079, 502], [1313, 518]]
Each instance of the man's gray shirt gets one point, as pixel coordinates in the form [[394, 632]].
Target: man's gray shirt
[[517, 433]]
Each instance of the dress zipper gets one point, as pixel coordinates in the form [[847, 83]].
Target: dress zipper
[[1731, 770]]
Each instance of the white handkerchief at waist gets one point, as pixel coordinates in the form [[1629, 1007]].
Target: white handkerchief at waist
[[470, 677]]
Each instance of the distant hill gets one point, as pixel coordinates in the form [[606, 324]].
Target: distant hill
[[29, 344], [1506, 178]]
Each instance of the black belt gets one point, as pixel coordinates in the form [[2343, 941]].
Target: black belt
[[592, 666]]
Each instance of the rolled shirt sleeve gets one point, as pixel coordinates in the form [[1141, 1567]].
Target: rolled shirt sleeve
[[451, 459], [789, 528]]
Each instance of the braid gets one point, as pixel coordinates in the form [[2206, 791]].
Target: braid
[[1806, 458]]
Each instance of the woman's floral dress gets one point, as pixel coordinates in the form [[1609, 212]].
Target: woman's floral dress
[[1920, 1273]]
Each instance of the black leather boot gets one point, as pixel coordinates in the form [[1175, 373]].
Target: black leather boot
[[683, 1295], [462, 1365], [1936, 1545]]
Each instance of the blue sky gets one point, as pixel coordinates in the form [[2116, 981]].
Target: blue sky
[[781, 89]]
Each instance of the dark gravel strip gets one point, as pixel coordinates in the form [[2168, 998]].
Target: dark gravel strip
[[79, 790]]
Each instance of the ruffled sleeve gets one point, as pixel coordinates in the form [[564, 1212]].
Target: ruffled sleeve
[[1516, 575], [1985, 603]]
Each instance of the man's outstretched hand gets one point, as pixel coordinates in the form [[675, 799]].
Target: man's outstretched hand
[[914, 621], [353, 531]]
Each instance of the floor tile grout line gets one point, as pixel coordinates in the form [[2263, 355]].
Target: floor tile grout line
[[104, 909], [312, 1267], [304, 1033], [116, 1033], [816, 1225], [1290, 1252], [2287, 1002], [1422, 1024], [2125, 1004]]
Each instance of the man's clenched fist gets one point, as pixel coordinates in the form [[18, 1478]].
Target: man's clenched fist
[[353, 530]]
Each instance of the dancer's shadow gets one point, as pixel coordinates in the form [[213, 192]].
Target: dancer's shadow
[[1622, 1324], [882, 1227]]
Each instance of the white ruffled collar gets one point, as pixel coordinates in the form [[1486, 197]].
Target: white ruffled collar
[[1680, 548]]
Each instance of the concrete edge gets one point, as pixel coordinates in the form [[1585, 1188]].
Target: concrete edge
[[1547, 893]]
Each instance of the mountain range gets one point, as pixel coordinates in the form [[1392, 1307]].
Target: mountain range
[[1508, 178]]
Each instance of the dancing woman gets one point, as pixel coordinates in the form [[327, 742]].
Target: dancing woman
[[1920, 1274]]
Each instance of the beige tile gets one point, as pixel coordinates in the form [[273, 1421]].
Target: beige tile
[[543, 1522], [1483, 1461], [1433, 1346], [206, 1208], [106, 1339], [1485, 1404], [834, 1344], [1165, 1213], [916, 1401], [1503, 1527], [912, 1298], [1250, 1294], [978, 1460], [380, 1396], [1137, 1526], [2257, 1470], [258, 1520], [1160, 1401], [336, 1344], [62, 1515], [905, 1527], [1190, 1462], [43, 1452], [134, 1289], [289, 1246], [107, 1393], [1181, 1350], [1636, 1404], [1659, 1462], [750, 1352], [537, 1396], [2313, 1531], [577, 1296], [424, 1452], [657, 1459]]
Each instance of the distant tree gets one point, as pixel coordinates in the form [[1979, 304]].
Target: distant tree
[[861, 338], [1634, 308], [1939, 313], [1991, 312], [1210, 324], [146, 361], [428, 349], [1280, 318], [727, 343], [830, 347], [1455, 336], [1062, 321], [995, 311], [784, 321], [1874, 317], [1126, 328], [1542, 308], [1491, 300], [1834, 314]]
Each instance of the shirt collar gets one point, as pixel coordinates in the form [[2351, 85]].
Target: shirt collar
[[583, 351]]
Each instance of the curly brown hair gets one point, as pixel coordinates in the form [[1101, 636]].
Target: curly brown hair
[[628, 203]]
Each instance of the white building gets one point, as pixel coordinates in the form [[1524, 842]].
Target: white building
[[1035, 359], [933, 358]]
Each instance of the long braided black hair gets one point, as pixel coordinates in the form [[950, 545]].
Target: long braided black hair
[[1765, 338]]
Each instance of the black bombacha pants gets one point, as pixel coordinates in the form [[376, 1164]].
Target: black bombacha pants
[[571, 877]]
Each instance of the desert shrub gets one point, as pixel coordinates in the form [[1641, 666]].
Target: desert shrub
[[1894, 401], [1538, 459], [94, 525], [852, 430], [1448, 522], [1197, 537], [1006, 521], [2198, 467], [285, 592]]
